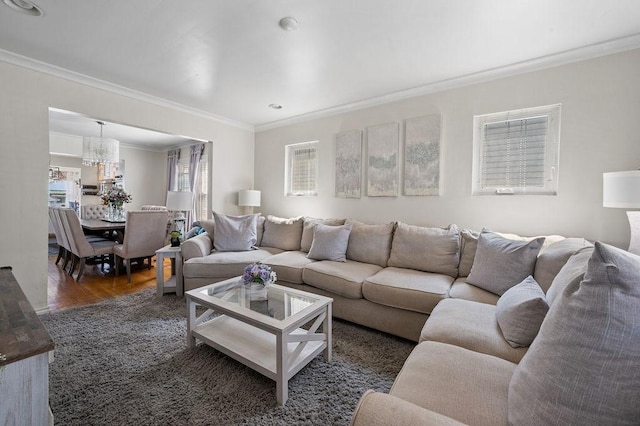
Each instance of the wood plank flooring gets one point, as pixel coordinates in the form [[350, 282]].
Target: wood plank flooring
[[94, 286]]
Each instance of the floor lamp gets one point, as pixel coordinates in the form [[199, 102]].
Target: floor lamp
[[622, 190], [249, 198], [179, 202]]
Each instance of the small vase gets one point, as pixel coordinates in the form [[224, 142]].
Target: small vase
[[258, 291]]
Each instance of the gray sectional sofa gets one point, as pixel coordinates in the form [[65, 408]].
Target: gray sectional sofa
[[510, 330]]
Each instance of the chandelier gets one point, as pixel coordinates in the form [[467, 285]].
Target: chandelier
[[99, 150]]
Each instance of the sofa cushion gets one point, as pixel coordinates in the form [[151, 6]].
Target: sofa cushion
[[281, 233], [370, 243], [260, 229], [584, 368], [340, 278], [468, 246], [460, 289], [552, 258], [426, 249], [470, 325], [500, 263], [225, 264], [520, 312], [470, 387], [571, 274], [407, 289], [309, 225], [288, 265], [235, 233], [330, 242], [209, 225]]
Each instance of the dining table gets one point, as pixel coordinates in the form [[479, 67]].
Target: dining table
[[113, 228]]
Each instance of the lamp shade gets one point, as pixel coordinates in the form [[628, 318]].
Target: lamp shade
[[179, 200], [249, 198], [621, 189]]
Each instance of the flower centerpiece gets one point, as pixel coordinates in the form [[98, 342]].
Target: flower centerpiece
[[115, 198], [259, 273]]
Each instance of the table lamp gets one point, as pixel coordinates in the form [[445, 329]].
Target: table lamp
[[622, 190], [179, 202], [249, 198]]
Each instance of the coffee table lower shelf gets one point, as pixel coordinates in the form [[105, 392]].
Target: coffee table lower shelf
[[256, 348]]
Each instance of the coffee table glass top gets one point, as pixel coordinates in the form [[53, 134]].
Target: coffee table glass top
[[277, 302]]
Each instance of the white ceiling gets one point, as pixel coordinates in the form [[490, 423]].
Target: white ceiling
[[230, 60]]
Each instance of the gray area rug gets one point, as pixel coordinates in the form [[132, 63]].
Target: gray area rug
[[125, 362]]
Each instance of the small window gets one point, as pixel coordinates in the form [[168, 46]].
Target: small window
[[516, 152], [201, 190], [301, 177]]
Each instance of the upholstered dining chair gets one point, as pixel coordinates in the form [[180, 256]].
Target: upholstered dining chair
[[55, 224], [93, 211], [144, 233], [82, 247]]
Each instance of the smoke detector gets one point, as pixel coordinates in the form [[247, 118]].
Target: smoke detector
[[287, 23], [24, 6]]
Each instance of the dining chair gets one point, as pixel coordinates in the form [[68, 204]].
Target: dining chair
[[144, 233], [81, 246], [55, 224]]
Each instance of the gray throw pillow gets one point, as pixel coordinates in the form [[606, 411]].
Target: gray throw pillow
[[330, 242], [309, 226], [370, 243], [468, 246], [501, 263], [570, 274], [425, 249], [520, 312], [282, 233], [584, 365], [235, 233]]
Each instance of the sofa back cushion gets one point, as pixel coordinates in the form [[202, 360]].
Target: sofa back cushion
[[553, 258], [235, 233], [583, 367], [308, 229], [370, 243], [571, 273], [282, 233], [468, 246], [426, 249], [500, 263]]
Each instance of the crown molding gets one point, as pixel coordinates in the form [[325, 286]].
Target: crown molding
[[566, 57], [53, 70]]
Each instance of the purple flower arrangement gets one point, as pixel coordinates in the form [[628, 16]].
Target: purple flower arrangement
[[259, 273]]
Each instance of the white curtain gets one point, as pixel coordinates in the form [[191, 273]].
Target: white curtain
[[173, 156], [194, 163]]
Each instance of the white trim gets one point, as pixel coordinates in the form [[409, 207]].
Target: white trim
[[563, 58], [43, 67]]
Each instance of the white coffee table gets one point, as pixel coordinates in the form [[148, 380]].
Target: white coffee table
[[265, 335]]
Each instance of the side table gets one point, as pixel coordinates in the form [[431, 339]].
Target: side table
[[174, 283]]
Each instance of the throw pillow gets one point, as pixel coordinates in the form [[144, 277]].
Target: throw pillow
[[570, 274], [282, 233], [426, 249], [330, 242], [520, 311], [554, 257], [583, 367], [501, 263], [370, 243], [235, 233], [309, 226], [468, 247]]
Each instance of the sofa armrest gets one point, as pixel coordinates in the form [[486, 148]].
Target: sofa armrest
[[381, 409], [198, 246]]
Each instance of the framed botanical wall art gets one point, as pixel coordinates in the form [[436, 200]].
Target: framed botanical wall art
[[382, 160], [349, 164], [422, 155]]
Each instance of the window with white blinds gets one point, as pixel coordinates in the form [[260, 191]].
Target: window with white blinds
[[301, 177], [516, 152]]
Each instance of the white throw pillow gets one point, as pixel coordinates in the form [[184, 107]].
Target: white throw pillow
[[235, 233], [330, 242]]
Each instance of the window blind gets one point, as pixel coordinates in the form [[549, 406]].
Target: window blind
[[513, 153], [303, 169]]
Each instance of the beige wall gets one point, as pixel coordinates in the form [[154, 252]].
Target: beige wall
[[599, 132], [25, 97]]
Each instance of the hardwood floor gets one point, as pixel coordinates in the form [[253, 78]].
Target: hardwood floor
[[94, 286]]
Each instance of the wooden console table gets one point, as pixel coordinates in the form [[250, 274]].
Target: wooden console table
[[25, 345]]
